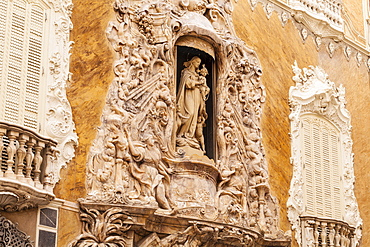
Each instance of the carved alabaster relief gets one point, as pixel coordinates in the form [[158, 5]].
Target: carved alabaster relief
[[59, 123], [314, 93], [104, 229], [149, 151]]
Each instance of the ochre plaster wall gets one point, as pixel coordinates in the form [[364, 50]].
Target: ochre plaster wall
[[277, 48], [69, 227], [91, 65]]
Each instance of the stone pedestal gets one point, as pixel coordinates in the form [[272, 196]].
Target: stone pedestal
[[193, 188]]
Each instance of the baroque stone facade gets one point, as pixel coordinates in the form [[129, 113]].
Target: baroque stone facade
[[151, 163]]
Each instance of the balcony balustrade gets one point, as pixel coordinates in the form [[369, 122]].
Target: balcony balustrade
[[26, 160], [317, 15], [320, 232]]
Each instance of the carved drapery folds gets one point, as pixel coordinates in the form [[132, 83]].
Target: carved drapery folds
[[315, 95], [134, 161]]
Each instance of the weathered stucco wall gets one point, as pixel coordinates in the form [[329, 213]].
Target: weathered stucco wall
[[91, 65], [277, 48]]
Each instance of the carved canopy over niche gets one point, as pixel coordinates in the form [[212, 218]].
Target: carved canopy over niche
[[145, 156], [316, 98]]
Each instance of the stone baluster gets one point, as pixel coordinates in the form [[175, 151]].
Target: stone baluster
[[323, 234], [309, 233], [331, 234], [352, 239], [29, 159], [48, 175], [347, 240], [337, 235], [316, 234], [2, 133], [21, 154], [38, 161], [342, 237], [11, 150]]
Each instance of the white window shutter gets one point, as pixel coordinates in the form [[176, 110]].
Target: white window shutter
[[34, 67], [320, 155], [21, 44], [3, 21], [15, 61]]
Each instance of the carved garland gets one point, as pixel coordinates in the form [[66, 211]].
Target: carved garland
[[307, 97]]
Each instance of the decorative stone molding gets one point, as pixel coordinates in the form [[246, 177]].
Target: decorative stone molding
[[59, 123], [314, 93], [152, 153], [10, 235]]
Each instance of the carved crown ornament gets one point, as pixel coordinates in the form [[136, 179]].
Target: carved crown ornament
[[179, 148], [315, 96]]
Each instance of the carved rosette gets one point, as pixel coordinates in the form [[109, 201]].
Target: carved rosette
[[315, 93], [134, 162], [59, 123]]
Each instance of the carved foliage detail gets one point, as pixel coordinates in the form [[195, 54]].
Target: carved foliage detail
[[103, 229]]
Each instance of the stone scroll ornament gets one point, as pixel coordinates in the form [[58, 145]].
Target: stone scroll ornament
[[149, 151]]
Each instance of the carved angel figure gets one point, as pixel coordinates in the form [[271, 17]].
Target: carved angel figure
[[191, 109]]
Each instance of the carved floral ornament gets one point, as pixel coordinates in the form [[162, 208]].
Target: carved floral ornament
[[150, 151], [315, 94]]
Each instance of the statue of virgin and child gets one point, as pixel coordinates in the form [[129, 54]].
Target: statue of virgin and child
[[191, 105]]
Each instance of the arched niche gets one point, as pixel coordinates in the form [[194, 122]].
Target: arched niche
[[186, 48]]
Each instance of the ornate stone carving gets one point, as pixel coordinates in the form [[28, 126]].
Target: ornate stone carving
[[315, 93], [322, 18], [103, 229], [149, 150], [59, 124], [10, 235]]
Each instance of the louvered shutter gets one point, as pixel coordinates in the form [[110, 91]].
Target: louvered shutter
[[321, 159], [34, 67], [3, 22], [15, 59], [21, 45]]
